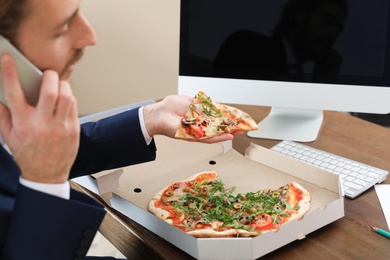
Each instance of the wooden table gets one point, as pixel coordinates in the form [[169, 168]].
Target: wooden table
[[347, 238]]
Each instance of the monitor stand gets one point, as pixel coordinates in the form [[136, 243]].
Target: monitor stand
[[301, 125]]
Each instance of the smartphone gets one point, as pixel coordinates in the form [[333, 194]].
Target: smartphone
[[30, 77]]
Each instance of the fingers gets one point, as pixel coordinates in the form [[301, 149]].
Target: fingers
[[238, 133], [12, 91], [56, 98], [215, 139], [186, 102], [48, 94], [14, 95], [188, 98], [5, 121], [224, 137], [66, 103], [218, 139]]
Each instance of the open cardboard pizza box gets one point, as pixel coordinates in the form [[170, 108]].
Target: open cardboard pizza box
[[259, 169]]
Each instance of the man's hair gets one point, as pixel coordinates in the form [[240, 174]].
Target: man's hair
[[12, 13]]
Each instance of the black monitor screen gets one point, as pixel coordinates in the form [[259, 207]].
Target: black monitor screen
[[319, 41]]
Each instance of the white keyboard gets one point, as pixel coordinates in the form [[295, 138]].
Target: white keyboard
[[355, 177]]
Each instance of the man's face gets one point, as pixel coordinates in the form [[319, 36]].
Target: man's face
[[54, 34]]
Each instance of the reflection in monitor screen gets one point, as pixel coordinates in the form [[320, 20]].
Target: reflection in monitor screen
[[298, 56]]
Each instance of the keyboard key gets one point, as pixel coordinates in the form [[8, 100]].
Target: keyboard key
[[352, 185]]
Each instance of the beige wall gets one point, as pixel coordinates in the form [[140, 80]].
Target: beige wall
[[136, 56]]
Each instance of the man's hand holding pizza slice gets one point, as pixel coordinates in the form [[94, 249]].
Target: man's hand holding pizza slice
[[165, 117], [207, 119]]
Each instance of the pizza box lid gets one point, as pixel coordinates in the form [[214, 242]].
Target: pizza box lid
[[132, 188]]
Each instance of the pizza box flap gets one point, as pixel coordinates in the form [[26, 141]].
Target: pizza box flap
[[294, 167], [176, 160]]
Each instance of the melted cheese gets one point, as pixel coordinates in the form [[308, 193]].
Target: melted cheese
[[212, 127]]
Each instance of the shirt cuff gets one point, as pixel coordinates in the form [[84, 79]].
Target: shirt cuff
[[148, 138], [61, 190]]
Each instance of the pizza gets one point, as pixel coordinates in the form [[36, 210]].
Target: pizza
[[206, 118], [202, 207]]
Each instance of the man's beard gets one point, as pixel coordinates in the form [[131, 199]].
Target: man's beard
[[76, 57]]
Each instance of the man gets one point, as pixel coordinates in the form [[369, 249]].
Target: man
[[40, 216]]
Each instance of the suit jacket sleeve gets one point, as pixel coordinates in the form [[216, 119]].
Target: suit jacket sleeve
[[110, 143]]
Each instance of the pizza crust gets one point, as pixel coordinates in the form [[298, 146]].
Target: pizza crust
[[181, 133], [209, 233]]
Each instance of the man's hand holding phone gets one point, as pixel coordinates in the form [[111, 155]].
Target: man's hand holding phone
[[30, 76], [43, 139]]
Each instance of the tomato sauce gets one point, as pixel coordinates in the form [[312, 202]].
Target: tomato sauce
[[297, 195], [183, 228], [203, 226]]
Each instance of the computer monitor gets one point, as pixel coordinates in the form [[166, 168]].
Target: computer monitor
[[299, 57]]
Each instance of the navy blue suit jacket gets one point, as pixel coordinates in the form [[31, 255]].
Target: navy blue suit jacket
[[35, 225]]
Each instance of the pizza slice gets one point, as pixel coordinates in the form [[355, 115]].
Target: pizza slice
[[206, 118], [202, 207]]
